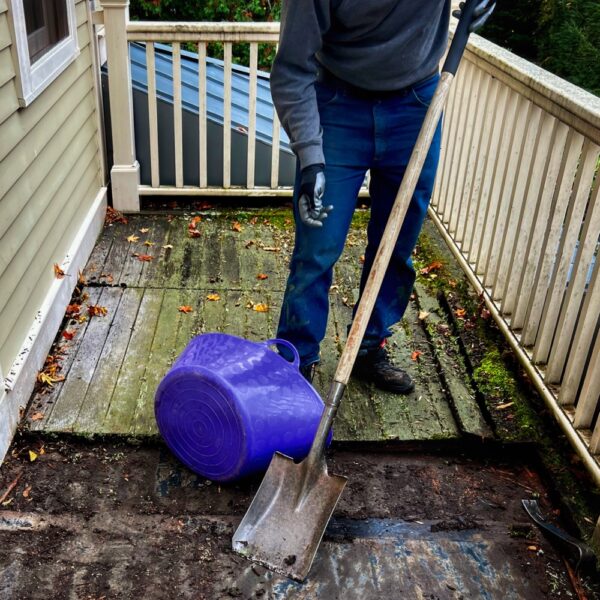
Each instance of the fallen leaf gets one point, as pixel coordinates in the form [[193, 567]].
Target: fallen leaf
[[81, 280], [213, 297], [68, 335], [26, 491], [196, 220], [168, 246], [253, 220], [503, 406], [194, 233], [415, 355], [148, 243], [460, 312], [185, 309], [58, 272], [236, 226], [114, 216], [271, 249], [423, 314], [262, 276], [144, 230], [48, 379], [361, 259], [82, 318], [261, 308], [204, 205], [37, 416], [532, 548], [32, 456], [452, 283], [95, 310], [249, 304], [145, 257], [485, 313], [436, 264], [133, 238]]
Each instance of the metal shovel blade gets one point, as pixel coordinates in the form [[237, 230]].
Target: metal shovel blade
[[288, 516]]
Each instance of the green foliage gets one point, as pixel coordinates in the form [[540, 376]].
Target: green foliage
[[214, 10], [562, 36]]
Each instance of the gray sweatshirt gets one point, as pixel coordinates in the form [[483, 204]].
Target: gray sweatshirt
[[371, 44]]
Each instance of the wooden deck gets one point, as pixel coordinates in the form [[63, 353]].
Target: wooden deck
[[113, 363]]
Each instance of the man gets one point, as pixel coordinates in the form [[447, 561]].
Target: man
[[351, 82]]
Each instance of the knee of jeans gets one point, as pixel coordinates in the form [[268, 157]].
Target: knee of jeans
[[318, 258]]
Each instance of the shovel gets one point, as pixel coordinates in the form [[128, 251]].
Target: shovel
[[284, 525]]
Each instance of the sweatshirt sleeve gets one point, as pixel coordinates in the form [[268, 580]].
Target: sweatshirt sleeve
[[303, 23]]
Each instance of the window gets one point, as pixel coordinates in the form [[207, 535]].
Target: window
[[45, 36]]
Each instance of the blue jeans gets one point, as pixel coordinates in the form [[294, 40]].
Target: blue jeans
[[359, 134]]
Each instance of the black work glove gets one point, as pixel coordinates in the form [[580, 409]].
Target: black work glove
[[482, 13], [310, 202]]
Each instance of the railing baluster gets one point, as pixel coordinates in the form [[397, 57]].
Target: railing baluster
[[202, 121], [152, 115], [587, 247], [474, 145], [506, 267], [566, 252], [553, 228], [578, 356], [275, 148], [227, 47], [537, 198], [590, 393], [177, 114], [459, 168], [252, 116], [476, 213]]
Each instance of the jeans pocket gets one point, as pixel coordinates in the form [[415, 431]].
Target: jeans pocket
[[424, 90], [326, 94]]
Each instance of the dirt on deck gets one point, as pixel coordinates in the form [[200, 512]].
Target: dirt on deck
[[116, 521]]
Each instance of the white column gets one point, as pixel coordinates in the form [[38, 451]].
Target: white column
[[125, 173]]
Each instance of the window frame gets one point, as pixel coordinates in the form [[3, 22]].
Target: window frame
[[33, 79]]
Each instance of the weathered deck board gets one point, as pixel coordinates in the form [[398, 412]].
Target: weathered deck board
[[115, 363]]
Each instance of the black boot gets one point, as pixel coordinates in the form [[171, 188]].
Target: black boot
[[308, 371], [375, 366]]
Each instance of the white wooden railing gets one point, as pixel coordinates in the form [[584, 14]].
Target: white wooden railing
[[516, 196], [517, 200]]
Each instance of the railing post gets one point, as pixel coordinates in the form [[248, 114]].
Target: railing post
[[125, 173]]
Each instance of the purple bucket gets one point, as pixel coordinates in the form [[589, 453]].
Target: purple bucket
[[228, 404]]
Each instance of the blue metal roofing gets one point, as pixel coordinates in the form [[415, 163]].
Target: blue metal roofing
[[214, 84]]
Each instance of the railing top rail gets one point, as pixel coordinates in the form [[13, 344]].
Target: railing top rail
[[183, 31], [567, 102]]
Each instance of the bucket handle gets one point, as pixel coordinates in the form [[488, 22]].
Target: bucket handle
[[289, 346]]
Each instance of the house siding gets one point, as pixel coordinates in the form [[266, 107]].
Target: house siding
[[50, 176]]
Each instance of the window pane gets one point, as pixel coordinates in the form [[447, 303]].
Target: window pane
[[46, 24]]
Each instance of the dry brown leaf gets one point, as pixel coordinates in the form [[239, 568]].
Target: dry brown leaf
[[532, 548], [68, 335], [37, 416], [26, 491], [262, 276], [213, 297], [185, 309], [95, 310], [133, 238], [460, 312], [263, 308], [236, 226], [253, 220], [415, 355], [361, 259], [49, 380], [195, 220], [145, 257], [114, 216], [436, 264], [148, 243], [81, 280], [423, 314], [144, 230], [58, 272], [194, 233]]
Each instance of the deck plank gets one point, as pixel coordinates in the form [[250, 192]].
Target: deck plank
[[123, 402], [72, 394], [104, 379]]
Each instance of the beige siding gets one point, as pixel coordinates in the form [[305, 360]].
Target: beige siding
[[49, 176]]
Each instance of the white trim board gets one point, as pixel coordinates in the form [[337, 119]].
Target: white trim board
[[19, 382]]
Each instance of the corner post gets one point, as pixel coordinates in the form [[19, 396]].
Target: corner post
[[125, 173]]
